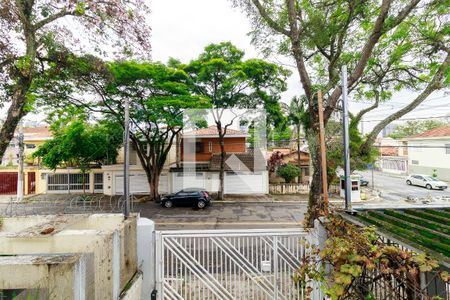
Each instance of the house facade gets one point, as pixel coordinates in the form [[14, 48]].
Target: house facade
[[429, 153], [194, 161], [393, 156], [245, 169], [290, 156]]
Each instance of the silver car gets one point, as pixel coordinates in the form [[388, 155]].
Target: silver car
[[426, 181]]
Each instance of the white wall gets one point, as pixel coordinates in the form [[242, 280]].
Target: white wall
[[429, 157]]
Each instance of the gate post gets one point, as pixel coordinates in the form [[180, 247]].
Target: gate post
[[158, 263], [275, 265], [146, 255]]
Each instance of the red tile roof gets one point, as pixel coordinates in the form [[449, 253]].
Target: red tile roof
[[36, 133], [212, 131], [436, 132]]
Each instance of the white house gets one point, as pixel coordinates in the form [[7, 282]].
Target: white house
[[429, 152], [245, 170]]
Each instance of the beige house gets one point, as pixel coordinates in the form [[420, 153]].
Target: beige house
[[429, 152]]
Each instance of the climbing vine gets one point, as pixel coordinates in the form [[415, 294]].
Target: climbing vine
[[354, 261]]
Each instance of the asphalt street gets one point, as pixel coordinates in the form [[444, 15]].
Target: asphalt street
[[393, 187], [226, 216], [230, 215]]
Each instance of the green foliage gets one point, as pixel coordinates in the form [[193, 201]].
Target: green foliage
[[79, 144], [416, 127], [289, 172], [221, 75], [350, 256]]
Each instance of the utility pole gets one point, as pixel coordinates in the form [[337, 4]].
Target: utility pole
[[323, 155], [20, 171], [348, 191], [126, 165]]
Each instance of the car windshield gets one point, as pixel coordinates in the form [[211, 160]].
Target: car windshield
[[429, 178]]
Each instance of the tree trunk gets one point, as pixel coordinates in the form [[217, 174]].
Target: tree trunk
[[315, 202], [299, 180], [15, 113], [222, 167], [154, 185], [24, 79]]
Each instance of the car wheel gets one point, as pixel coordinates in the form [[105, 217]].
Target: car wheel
[[408, 182], [201, 204], [168, 203], [428, 186]]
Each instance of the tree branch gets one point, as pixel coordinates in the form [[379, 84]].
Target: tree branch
[[435, 84], [297, 50], [362, 112], [63, 12], [272, 24]]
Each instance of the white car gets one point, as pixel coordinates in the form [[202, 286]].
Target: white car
[[426, 181]]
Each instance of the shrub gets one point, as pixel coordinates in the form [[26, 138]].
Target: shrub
[[288, 172]]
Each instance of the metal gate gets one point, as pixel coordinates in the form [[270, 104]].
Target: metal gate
[[229, 264]]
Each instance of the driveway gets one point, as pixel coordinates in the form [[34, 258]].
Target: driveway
[[393, 187]]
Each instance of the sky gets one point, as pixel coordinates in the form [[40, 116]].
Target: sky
[[181, 29]]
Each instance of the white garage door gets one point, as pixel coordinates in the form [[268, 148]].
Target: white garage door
[[244, 183], [163, 184], [138, 184], [187, 180]]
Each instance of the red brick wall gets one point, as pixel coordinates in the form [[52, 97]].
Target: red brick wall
[[232, 145]]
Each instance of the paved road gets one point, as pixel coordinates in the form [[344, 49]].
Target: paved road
[[394, 187], [227, 215], [239, 215]]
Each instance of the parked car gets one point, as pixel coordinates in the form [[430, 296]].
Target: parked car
[[195, 197], [363, 181], [426, 181]]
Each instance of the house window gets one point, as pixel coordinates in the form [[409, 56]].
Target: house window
[[414, 162], [198, 147], [30, 146], [447, 148], [210, 146]]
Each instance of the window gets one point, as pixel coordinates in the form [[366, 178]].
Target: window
[[30, 146], [198, 147], [210, 146], [414, 162], [447, 148]]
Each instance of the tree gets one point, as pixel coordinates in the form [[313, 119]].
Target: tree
[[387, 47], [221, 75], [296, 116], [158, 97], [415, 127], [79, 144], [39, 34], [288, 172]]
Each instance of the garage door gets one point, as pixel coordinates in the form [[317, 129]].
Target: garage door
[[138, 184], [244, 183], [184, 180], [163, 184], [8, 183]]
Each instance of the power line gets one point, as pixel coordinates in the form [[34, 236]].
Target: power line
[[411, 118]]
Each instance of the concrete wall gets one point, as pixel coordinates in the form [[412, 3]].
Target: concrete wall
[[47, 277], [111, 240]]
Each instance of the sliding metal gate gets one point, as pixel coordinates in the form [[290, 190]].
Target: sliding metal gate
[[229, 264]]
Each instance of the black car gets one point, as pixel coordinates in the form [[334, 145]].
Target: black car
[[363, 181], [195, 197]]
